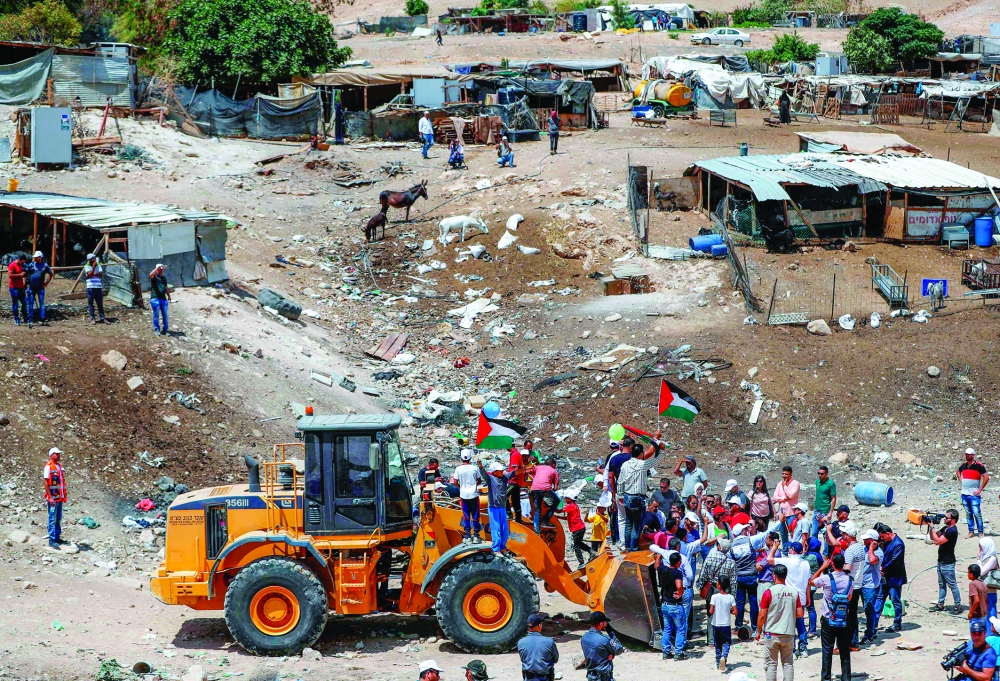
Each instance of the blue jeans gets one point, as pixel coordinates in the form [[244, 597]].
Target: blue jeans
[[428, 143], [890, 593], [800, 629], [973, 514], [159, 308], [499, 528], [746, 588], [686, 604], [634, 506], [505, 159], [870, 595], [946, 579], [32, 296], [470, 515], [674, 628], [811, 609], [55, 521], [991, 603], [95, 296], [17, 298], [723, 637]]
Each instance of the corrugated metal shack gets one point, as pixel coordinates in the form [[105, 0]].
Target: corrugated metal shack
[[66, 228], [64, 76], [904, 199]]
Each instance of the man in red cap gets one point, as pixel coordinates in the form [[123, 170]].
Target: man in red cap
[[55, 495]]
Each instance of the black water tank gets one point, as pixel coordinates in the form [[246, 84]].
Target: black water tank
[[579, 22]]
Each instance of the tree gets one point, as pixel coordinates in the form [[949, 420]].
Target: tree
[[908, 36], [416, 8], [867, 51], [261, 41], [49, 22], [620, 18]]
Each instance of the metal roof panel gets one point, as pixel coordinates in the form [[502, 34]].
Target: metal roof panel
[[97, 213]]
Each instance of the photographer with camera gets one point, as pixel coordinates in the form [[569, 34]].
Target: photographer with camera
[[946, 539], [976, 660]]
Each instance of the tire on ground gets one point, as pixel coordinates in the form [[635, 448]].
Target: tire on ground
[[481, 568], [290, 575], [274, 300]]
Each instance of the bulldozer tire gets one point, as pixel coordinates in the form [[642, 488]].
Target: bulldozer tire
[[276, 606], [484, 602]]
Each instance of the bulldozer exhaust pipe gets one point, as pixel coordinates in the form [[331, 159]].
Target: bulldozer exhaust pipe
[[253, 472]]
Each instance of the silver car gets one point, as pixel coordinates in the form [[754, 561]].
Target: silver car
[[722, 36]]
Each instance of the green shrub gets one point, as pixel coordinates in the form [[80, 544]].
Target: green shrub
[[416, 8], [620, 18], [673, 35], [49, 22], [791, 47], [752, 24]]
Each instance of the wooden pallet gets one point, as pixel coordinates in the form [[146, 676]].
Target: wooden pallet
[[389, 347]]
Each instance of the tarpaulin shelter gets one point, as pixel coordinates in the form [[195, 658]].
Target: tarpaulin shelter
[[260, 116], [616, 79], [79, 77], [367, 88], [683, 11], [573, 99]]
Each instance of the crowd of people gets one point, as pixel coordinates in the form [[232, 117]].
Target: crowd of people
[[27, 281], [767, 566]]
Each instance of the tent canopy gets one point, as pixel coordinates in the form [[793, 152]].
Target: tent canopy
[[861, 142], [382, 75]]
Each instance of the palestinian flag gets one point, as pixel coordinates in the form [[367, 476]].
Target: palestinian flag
[[497, 434], [676, 403]]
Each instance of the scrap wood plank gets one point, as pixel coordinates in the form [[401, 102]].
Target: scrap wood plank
[[389, 347]]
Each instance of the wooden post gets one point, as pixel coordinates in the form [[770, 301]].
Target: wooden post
[[34, 231], [55, 236], [802, 215], [366, 98], [833, 296], [944, 212], [64, 242]]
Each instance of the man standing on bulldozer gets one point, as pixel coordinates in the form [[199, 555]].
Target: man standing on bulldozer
[[496, 485], [468, 479]]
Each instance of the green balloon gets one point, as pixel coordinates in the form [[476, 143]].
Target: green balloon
[[616, 432]]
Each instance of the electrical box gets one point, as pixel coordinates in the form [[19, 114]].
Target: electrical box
[[51, 135]]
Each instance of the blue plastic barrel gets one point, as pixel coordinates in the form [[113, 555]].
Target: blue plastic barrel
[[719, 250], [984, 231], [704, 243], [873, 494]]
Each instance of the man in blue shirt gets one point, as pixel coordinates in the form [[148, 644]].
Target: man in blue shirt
[[982, 659], [39, 275], [600, 646], [538, 653], [893, 574]]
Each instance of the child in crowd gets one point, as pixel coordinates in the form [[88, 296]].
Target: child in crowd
[[571, 512], [721, 610], [598, 519]]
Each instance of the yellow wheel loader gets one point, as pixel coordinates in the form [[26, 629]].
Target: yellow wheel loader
[[339, 535]]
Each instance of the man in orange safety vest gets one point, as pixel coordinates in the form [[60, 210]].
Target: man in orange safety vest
[[55, 495]]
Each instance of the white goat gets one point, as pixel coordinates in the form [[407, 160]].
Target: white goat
[[459, 222]]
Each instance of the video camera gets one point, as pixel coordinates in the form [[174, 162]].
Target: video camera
[[953, 658], [931, 518]]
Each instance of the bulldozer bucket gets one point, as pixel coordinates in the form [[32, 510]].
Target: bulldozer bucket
[[628, 598]]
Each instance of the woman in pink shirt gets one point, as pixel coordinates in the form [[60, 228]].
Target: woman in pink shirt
[[543, 487], [786, 493]]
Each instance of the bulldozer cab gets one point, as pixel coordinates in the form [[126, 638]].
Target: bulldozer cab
[[355, 476]]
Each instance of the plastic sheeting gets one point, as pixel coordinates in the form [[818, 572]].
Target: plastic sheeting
[[683, 66], [736, 86], [23, 82], [260, 116]]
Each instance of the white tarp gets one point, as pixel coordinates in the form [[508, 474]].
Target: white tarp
[[675, 10], [738, 86], [957, 88], [677, 67]]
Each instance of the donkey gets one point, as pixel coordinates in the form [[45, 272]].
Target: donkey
[[371, 229], [403, 199]]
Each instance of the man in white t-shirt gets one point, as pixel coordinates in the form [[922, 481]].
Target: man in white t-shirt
[[468, 480], [799, 573]]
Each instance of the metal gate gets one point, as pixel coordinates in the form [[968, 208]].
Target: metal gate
[[121, 284]]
